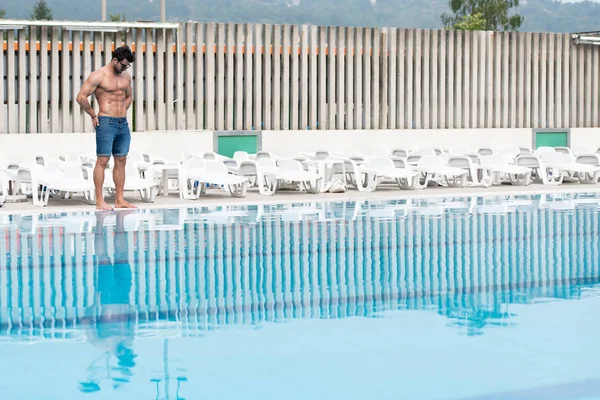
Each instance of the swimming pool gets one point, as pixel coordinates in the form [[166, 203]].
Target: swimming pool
[[441, 298]]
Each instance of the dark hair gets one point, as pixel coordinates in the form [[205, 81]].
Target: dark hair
[[122, 53]]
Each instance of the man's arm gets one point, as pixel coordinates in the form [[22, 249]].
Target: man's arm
[[87, 89], [128, 94]]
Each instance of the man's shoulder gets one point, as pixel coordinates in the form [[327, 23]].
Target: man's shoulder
[[98, 74]]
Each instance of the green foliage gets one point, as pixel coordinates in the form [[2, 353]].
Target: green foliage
[[116, 17], [2, 13], [41, 11], [475, 22], [495, 14], [540, 15]]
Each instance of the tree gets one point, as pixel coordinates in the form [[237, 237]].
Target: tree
[[2, 13], [41, 11], [116, 17], [495, 13], [475, 22]]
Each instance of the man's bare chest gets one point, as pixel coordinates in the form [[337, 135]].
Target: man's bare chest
[[114, 85]]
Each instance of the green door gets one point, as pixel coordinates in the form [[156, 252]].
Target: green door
[[551, 139], [227, 145]]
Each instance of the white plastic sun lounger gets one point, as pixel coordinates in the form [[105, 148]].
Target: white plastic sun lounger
[[145, 186], [584, 173], [372, 172], [432, 167], [195, 176], [270, 174], [499, 167], [547, 174], [64, 181]]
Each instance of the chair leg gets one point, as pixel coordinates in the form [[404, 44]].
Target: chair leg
[[313, 188], [238, 190]]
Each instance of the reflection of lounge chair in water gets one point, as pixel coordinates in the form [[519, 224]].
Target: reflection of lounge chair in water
[[108, 323]]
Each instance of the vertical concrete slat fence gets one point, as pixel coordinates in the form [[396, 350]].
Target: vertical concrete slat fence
[[249, 76]]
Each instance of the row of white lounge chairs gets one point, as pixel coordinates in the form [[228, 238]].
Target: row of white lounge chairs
[[41, 177]]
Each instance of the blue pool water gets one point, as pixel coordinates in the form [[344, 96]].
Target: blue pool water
[[462, 298]]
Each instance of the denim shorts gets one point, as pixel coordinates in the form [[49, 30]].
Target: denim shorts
[[113, 137]]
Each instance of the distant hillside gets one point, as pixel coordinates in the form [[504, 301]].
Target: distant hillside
[[540, 15]]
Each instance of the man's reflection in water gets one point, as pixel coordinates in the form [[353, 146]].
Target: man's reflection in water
[[109, 323]]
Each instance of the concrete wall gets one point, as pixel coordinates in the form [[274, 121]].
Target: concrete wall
[[172, 144], [375, 140], [169, 144], [589, 137]]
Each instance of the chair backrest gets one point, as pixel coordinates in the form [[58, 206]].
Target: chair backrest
[[241, 155], [589, 159], [247, 168], [563, 150], [263, 154], [76, 159], [493, 159], [528, 160], [73, 171], [459, 162], [558, 158], [266, 162], [215, 167], [321, 155], [289, 165], [194, 162], [55, 166], [400, 153], [485, 151], [430, 161], [380, 163], [544, 150], [413, 159], [399, 162], [132, 170]]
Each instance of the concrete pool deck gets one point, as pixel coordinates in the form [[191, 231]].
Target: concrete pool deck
[[216, 197]]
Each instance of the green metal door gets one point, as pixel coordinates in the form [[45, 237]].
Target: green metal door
[[551, 139], [227, 145]]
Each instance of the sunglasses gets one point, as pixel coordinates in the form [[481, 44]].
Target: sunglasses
[[124, 66]]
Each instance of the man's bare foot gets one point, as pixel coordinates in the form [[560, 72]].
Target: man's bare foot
[[124, 204], [103, 206]]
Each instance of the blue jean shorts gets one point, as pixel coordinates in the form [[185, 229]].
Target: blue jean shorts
[[113, 137]]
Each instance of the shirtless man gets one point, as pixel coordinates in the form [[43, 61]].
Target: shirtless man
[[111, 85]]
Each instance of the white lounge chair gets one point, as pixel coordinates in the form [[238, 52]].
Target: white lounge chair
[[145, 186], [289, 170], [195, 177], [257, 173], [62, 180], [548, 175], [433, 167], [271, 174], [477, 175], [584, 173], [372, 172], [499, 168]]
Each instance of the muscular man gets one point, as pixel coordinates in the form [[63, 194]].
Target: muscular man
[[111, 85]]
